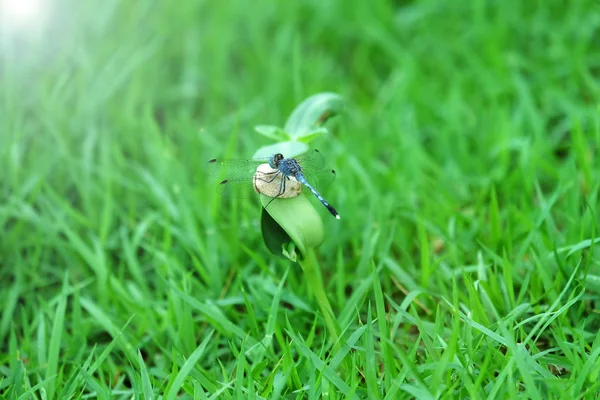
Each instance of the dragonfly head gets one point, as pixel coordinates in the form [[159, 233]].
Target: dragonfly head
[[274, 160]]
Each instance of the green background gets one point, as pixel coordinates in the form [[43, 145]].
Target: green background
[[464, 263]]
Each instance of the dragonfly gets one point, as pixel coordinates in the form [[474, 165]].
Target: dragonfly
[[275, 176]]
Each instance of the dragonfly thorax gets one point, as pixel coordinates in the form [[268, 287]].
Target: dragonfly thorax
[[288, 166]]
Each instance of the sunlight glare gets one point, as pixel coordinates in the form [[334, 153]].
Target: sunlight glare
[[22, 14]]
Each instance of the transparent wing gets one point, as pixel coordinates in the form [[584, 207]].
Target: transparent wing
[[234, 177], [230, 168], [320, 179], [315, 172], [311, 160]]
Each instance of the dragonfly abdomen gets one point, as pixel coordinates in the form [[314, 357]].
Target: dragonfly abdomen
[[300, 178]]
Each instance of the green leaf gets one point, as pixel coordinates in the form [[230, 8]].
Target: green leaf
[[312, 113], [319, 364], [312, 135], [187, 369], [146, 384], [288, 149], [298, 218], [55, 344], [272, 132], [274, 235]]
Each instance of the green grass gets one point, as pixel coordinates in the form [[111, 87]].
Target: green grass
[[465, 264]]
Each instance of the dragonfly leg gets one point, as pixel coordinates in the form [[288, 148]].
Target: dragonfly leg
[[281, 189], [276, 174]]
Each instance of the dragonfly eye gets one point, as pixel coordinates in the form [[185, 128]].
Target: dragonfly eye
[[277, 157]]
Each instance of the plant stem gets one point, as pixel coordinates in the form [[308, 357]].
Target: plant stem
[[312, 271]]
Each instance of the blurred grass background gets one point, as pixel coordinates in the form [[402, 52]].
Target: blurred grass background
[[467, 155]]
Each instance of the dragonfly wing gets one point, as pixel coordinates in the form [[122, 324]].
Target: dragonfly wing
[[235, 177], [311, 160], [314, 170], [240, 189], [320, 179], [227, 168]]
